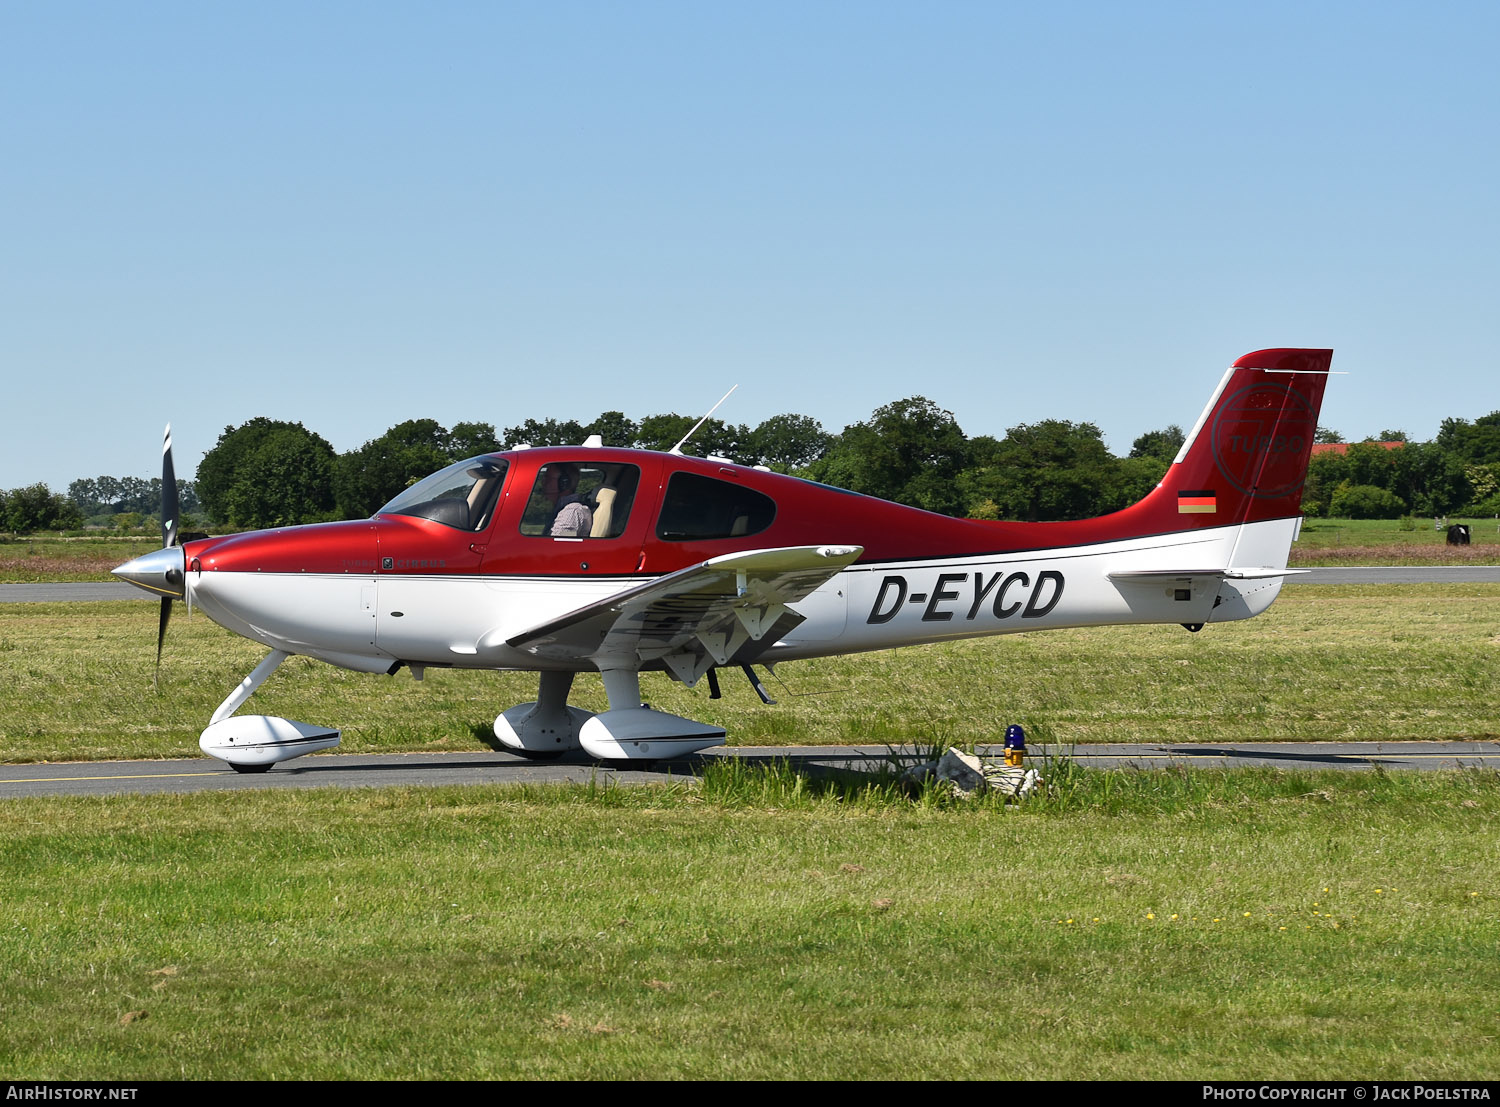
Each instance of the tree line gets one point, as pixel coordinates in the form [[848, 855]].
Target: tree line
[[266, 473], [97, 501], [1457, 472]]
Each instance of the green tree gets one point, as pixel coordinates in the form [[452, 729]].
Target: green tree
[[1484, 483], [265, 473], [662, 432], [292, 483], [544, 432], [37, 507], [1365, 501], [111, 493], [85, 496], [1325, 472], [787, 442], [1326, 435], [113, 496], [139, 494], [1371, 463], [471, 440], [715, 438], [366, 478], [1477, 443], [1135, 478], [911, 452], [1429, 478], [1055, 469], [614, 429], [1162, 444]]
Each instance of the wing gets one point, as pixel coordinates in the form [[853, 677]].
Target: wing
[[727, 610]]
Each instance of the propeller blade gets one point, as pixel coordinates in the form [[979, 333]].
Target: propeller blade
[[161, 635], [168, 499], [168, 540]]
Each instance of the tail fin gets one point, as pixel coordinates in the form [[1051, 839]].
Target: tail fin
[[1245, 460], [1244, 463]]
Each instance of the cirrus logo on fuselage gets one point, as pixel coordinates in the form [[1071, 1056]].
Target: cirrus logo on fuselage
[[965, 595]]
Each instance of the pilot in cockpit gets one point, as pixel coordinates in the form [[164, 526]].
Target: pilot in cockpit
[[571, 517]]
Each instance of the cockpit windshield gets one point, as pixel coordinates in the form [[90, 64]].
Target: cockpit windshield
[[461, 496]]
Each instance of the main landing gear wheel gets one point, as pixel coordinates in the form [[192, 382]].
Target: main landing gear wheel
[[243, 768]]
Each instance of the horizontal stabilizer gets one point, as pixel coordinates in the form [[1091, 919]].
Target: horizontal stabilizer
[[1222, 574]]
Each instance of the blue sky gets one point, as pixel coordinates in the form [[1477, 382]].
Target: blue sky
[[354, 214]]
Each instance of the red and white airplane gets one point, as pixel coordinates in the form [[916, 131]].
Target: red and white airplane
[[592, 559]]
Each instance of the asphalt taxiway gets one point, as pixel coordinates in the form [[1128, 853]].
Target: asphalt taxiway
[[98, 778]]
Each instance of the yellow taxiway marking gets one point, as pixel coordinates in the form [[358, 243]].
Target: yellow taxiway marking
[[131, 776]]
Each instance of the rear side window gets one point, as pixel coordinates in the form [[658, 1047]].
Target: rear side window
[[697, 507]]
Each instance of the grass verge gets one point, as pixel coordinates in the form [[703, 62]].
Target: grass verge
[[1171, 925]]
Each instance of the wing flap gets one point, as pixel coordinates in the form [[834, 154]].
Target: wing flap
[[725, 610]]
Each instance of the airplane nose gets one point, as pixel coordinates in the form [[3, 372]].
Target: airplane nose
[[159, 572]]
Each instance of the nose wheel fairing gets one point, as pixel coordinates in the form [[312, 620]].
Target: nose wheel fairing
[[253, 743]]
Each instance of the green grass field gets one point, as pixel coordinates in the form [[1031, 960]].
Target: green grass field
[[1187, 925]]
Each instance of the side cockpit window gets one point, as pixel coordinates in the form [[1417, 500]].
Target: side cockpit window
[[461, 496], [698, 507], [580, 500]]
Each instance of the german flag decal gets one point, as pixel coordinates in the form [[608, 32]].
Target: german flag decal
[[1199, 502]]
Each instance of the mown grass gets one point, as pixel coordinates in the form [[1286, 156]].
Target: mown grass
[[1170, 925], [1348, 662]]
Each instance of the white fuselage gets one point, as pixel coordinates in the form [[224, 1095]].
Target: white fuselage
[[369, 622]]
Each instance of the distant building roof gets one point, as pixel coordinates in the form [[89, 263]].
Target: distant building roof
[[1343, 447]]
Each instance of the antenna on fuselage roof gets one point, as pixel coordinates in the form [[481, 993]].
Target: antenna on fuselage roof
[[677, 449]]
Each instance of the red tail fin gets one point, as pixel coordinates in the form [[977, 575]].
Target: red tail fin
[[1246, 458]]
